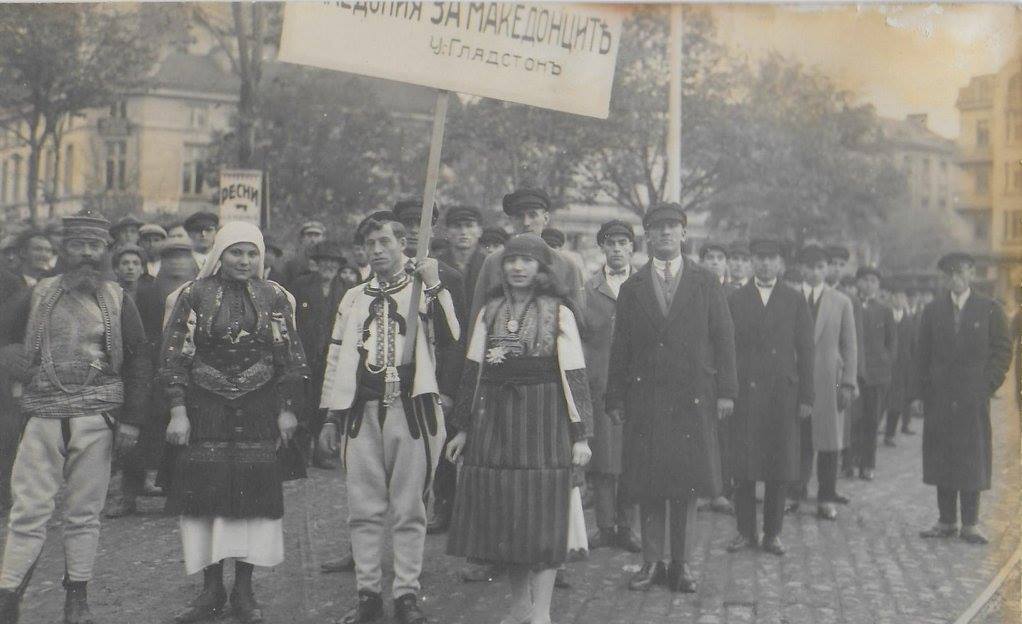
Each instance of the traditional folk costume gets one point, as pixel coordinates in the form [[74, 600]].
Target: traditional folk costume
[[232, 356], [89, 368], [392, 425]]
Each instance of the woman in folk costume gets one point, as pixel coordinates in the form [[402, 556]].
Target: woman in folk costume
[[231, 367], [524, 418]]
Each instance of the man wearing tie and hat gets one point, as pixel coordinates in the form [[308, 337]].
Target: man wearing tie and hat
[[879, 346], [201, 227], [963, 353], [464, 229], [774, 355], [309, 234], [613, 512], [671, 376], [150, 236]]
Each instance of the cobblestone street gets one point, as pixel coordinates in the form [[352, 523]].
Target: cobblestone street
[[868, 567]]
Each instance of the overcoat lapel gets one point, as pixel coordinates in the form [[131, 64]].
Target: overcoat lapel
[[684, 292], [647, 296], [827, 301], [602, 287]]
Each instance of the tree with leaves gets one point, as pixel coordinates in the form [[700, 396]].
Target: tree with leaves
[[59, 59]]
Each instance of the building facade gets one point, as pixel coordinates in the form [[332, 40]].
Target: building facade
[[990, 145]]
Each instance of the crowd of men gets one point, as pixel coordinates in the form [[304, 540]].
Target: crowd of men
[[749, 365]]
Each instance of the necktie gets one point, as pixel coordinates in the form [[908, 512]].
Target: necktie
[[668, 284], [619, 272], [812, 299], [667, 273], [958, 315]]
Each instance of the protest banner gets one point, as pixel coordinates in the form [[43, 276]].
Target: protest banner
[[241, 195]]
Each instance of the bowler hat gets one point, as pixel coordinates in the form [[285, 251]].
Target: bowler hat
[[525, 198], [615, 227], [666, 211], [951, 262]]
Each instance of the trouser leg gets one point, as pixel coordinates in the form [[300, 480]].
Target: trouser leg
[[605, 493], [35, 481], [624, 505], [947, 504], [970, 507], [87, 473], [773, 508], [806, 459], [745, 508], [366, 479], [893, 416], [872, 404], [826, 475], [683, 522], [724, 444], [654, 515], [410, 468], [10, 433]]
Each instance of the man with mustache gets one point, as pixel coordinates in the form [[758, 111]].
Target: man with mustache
[[78, 346]]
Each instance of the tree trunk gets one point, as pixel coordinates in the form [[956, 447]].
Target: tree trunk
[[32, 183]]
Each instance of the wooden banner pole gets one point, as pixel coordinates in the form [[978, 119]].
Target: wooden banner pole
[[426, 220]]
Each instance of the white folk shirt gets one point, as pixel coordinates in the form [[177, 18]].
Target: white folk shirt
[[765, 290], [614, 281]]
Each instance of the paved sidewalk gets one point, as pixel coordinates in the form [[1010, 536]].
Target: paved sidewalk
[[868, 567]]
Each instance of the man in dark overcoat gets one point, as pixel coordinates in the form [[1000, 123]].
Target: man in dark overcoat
[[672, 374], [901, 373], [774, 353], [879, 347], [962, 355], [613, 509]]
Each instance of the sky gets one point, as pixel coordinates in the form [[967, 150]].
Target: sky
[[901, 58]]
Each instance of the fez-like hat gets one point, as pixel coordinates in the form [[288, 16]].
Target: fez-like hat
[[312, 226], [709, 246], [811, 254], [530, 246], [525, 198], [462, 213], [123, 222], [615, 227], [148, 229], [765, 247], [327, 249], [838, 252], [200, 220], [126, 248], [553, 237], [665, 211], [863, 271], [493, 236], [408, 210], [951, 262], [86, 225]]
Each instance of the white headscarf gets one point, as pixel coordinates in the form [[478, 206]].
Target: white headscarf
[[232, 233]]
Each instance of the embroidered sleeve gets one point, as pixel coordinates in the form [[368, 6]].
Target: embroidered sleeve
[[289, 360], [574, 380], [178, 348]]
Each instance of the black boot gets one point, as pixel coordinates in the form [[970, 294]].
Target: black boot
[[76, 603], [243, 601], [210, 603], [407, 611], [368, 610], [9, 601]]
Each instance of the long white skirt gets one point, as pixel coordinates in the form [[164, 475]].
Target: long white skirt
[[205, 541]]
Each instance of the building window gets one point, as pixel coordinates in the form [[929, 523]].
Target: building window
[[115, 165], [69, 170], [982, 180], [982, 226], [119, 109], [982, 133], [198, 116], [1013, 225], [193, 170]]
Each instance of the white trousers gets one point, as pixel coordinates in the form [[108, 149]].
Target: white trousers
[[386, 470], [44, 462]]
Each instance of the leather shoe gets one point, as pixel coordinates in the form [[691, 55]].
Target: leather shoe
[[602, 538], [867, 474], [561, 579], [772, 544], [826, 511], [344, 564], [792, 507], [939, 530], [245, 607], [627, 540], [840, 499], [407, 611], [649, 575], [76, 604], [740, 543], [907, 431], [9, 605], [972, 534], [369, 609], [679, 578], [207, 606]]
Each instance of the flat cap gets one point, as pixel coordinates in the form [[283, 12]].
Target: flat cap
[[615, 227], [200, 220], [530, 246], [525, 198], [493, 236], [456, 214], [765, 247], [553, 237], [666, 211], [837, 252], [86, 225], [408, 210], [123, 222], [811, 254], [327, 249], [173, 246], [709, 246], [127, 248], [863, 271], [312, 226], [951, 262], [152, 229]]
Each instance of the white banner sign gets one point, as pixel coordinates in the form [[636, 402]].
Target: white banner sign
[[240, 195], [557, 56]]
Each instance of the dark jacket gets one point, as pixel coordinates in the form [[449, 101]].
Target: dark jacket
[[774, 353], [956, 374], [666, 374], [879, 343], [470, 274], [315, 317], [901, 373]]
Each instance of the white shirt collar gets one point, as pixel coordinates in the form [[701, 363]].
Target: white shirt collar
[[614, 281], [674, 264], [898, 314], [200, 258], [765, 291], [814, 291], [960, 300]]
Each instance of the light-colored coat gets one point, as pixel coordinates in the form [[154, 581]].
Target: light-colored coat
[[836, 356], [599, 314]]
